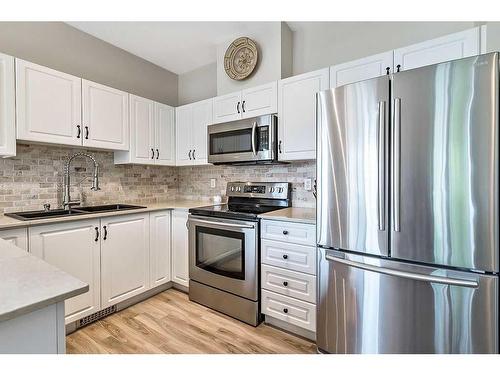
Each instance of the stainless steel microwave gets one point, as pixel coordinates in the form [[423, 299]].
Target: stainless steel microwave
[[251, 140]]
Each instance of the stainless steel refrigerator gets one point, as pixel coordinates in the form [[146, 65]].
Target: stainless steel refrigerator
[[407, 211]]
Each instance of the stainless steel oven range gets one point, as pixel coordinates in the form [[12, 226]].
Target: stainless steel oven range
[[224, 248]]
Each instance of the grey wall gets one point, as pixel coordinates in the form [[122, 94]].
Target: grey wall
[[62, 47], [198, 84], [322, 44]]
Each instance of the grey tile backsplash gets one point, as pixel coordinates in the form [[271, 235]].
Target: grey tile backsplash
[[35, 176]]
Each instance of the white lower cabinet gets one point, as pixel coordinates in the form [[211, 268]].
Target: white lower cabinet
[[290, 310], [180, 250], [124, 257], [159, 247], [288, 274], [17, 237], [74, 248]]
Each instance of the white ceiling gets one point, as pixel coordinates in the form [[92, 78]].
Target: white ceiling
[[177, 46]]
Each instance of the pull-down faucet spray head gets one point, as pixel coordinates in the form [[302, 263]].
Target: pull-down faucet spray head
[[95, 179]]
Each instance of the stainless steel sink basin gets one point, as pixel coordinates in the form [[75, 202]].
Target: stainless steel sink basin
[[107, 208], [35, 215]]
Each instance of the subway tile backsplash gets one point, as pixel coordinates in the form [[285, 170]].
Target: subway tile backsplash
[[35, 176]]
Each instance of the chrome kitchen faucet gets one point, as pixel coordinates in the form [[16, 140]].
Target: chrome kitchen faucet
[[67, 202]]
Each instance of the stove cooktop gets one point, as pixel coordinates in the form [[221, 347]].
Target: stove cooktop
[[230, 211]]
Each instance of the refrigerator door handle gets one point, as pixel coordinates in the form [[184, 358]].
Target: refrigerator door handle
[[381, 166], [405, 274], [396, 163]]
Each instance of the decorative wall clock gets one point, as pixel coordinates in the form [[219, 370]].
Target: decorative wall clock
[[241, 58]]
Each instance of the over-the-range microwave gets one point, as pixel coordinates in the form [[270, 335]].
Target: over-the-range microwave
[[251, 140]]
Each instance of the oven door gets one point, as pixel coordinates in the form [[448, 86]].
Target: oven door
[[224, 254], [251, 139]]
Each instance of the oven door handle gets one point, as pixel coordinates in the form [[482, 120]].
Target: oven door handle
[[230, 225], [254, 147]]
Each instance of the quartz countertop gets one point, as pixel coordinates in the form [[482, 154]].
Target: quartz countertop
[[27, 283], [7, 222], [295, 214]]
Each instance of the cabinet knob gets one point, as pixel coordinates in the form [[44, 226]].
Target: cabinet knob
[[96, 234], [243, 106], [157, 154], [189, 154], [105, 232], [285, 283], [398, 67], [285, 256], [238, 107], [279, 147], [86, 132], [194, 158], [152, 153], [285, 310], [285, 232], [79, 131]]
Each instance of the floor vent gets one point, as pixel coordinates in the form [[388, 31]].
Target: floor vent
[[96, 316]]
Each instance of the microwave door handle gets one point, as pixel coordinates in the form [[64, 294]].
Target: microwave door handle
[[254, 131], [244, 226]]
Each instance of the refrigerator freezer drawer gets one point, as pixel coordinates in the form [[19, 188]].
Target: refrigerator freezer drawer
[[290, 310], [290, 256], [369, 305], [289, 283]]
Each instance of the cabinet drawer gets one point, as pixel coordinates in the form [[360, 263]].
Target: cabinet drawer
[[289, 283], [290, 256], [290, 310], [302, 234]]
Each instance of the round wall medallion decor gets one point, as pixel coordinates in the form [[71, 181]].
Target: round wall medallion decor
[[240, 58]]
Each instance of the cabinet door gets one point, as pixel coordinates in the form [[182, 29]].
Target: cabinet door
[[297, 114], [260, 100], [449, 47], [180, 258], [202, 117], [227, 107], [142, 128], [72, 247], [124, 257], [17, 237], [183, 134], [7, 107], [159, 249], [105, 117], [48, 105], [362, 69], [164, 135]]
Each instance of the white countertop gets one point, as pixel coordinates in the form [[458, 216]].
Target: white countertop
[[294, 214], [27, 283], [7, 222]]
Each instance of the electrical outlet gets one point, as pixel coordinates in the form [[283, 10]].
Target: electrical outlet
[[212, 182], [307, 184]]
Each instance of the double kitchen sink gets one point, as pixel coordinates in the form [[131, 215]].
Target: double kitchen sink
[[44, 214]]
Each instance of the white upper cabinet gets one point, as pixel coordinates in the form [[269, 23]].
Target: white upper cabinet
[[105, 117], [449, 47], [191, 132], [74, 248], [256, 101], [202, 117], [362, 69], [159, 247], [227, 107], [297, 114], [48, 105], [124, 257], [260, 100], [164, 134], [7, 107], [152, 134]]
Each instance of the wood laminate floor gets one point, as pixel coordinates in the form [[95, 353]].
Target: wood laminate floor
[[170, 323]]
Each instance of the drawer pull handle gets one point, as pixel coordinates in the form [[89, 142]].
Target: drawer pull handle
[[285, 256], [285, 283], [285, 311], [285, 232], [96, 234]]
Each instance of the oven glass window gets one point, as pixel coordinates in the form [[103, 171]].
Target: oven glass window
[[237, 141], [221, 252]]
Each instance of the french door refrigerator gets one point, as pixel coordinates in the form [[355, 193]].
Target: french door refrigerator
[[407, 211]]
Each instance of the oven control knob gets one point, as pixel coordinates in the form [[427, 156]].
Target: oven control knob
[[238, 189], [271, 190], [232, 188], [280, 190]]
